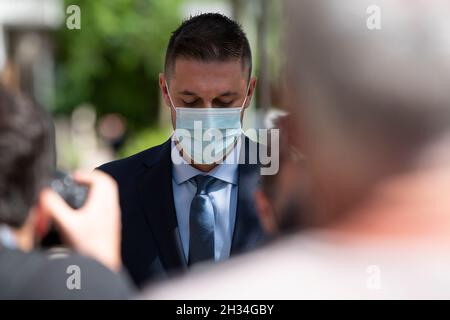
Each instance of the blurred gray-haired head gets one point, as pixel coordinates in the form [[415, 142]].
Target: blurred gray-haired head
[[391, 83], [369, 100]]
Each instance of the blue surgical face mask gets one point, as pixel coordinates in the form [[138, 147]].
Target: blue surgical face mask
[[207, 135]]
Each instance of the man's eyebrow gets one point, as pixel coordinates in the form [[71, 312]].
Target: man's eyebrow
[[228, 94], [187, 93], [225, 94]]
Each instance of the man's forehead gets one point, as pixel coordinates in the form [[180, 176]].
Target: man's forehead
[[192, 75]]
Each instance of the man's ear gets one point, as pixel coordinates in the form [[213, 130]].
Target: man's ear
[[251, 91], [164, 89], [42, 221]]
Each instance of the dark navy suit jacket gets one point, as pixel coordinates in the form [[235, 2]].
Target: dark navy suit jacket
[[151, 245]]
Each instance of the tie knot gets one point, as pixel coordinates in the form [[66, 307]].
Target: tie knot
[[203, 182]]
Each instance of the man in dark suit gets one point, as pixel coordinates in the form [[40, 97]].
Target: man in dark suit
[[180, 203]]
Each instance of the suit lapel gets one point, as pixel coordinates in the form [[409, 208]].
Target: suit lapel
[[156, 196]]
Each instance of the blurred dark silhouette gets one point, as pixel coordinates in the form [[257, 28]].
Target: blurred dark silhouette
[[26, 163]]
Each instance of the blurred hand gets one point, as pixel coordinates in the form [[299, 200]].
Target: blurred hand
[[93, 230]]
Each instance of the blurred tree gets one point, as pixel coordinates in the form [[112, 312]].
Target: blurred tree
[[264, 18], [264, 98], [114, 60]]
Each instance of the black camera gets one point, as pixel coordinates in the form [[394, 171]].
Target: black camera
[[73, 193]]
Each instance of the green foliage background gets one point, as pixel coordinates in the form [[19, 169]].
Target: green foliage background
[[113, 62]]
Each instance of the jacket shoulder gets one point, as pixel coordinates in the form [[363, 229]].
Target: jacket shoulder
[[133, 164]]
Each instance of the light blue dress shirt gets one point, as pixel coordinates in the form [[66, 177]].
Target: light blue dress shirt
[[223, 193]]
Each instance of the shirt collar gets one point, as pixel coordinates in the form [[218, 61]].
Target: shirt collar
[[226, 171]]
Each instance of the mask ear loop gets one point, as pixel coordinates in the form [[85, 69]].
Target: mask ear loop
[[246, 96], [177, 144], [242, 109], [170, 97]]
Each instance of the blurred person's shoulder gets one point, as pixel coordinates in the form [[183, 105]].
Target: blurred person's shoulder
[[270, 272], [317, 265], [16, 267], [58, 275], [130, 166]]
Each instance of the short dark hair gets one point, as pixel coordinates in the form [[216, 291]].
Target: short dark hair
[[25, 159], [209, 37]]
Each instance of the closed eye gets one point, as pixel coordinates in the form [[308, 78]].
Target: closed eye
[[191, 103], [223, 104]]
